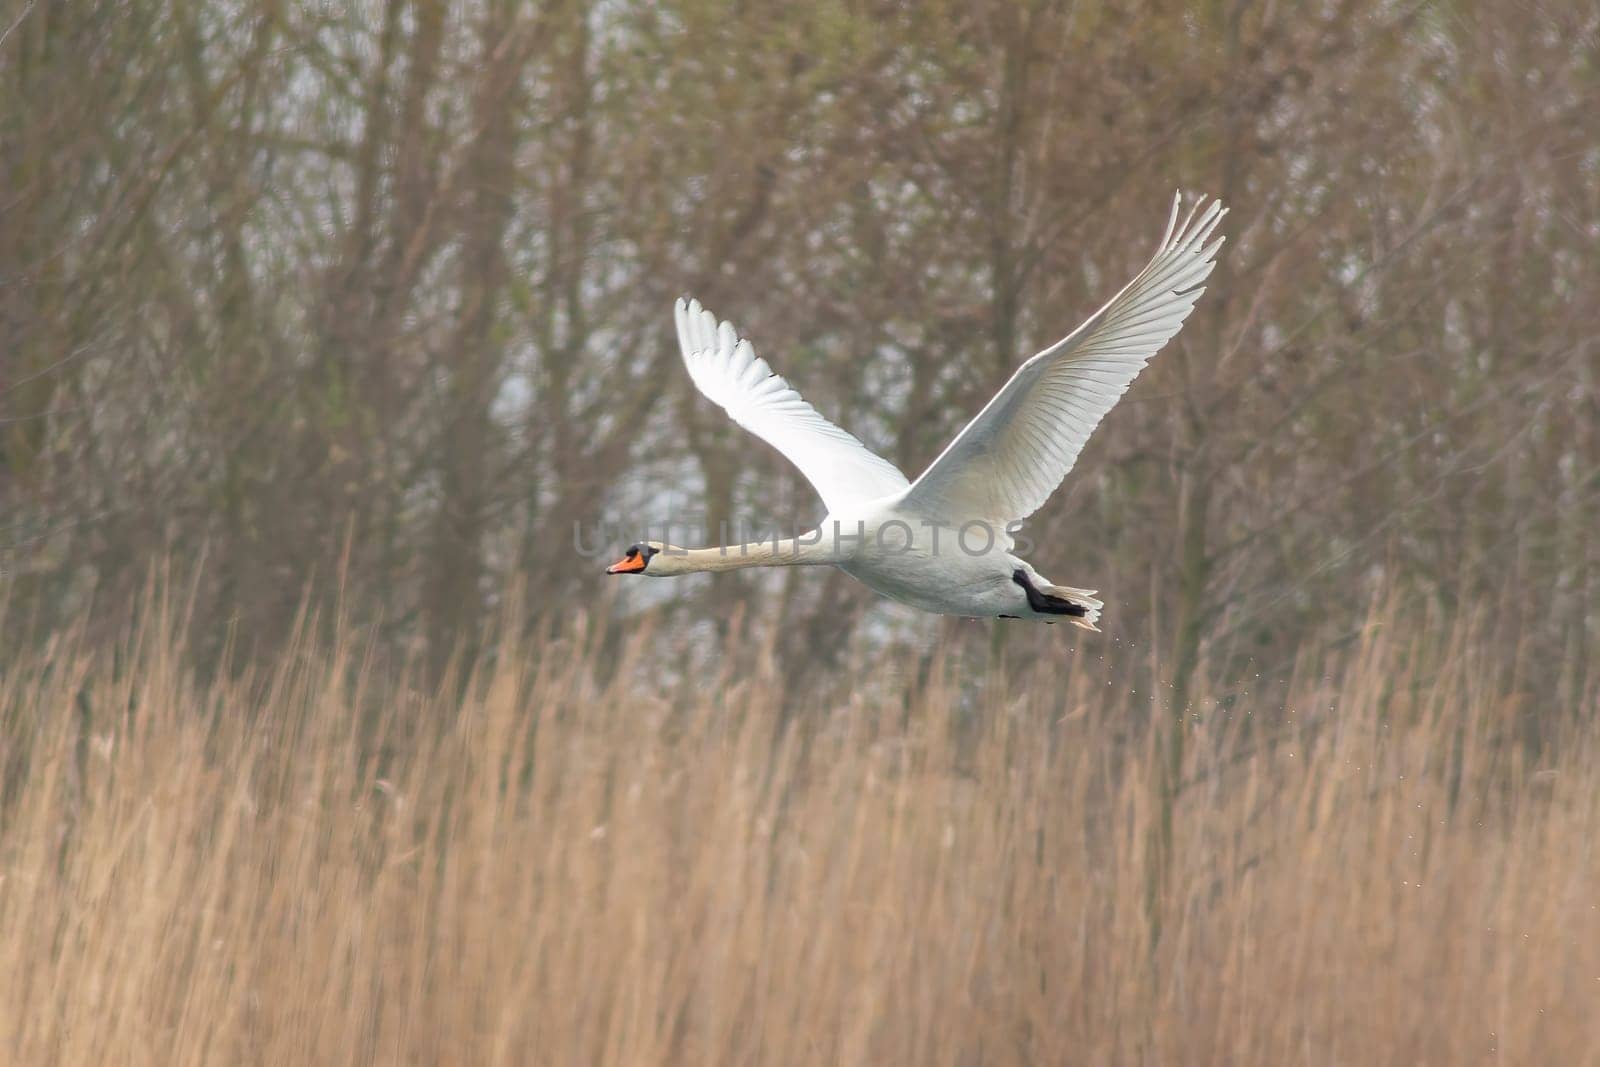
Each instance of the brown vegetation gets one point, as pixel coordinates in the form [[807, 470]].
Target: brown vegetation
[[360, 310], [290, 285], [321, 863]]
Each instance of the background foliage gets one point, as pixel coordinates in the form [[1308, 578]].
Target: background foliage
[[332, 336], [376, 297]]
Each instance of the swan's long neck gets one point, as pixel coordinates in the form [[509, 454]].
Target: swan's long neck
[[788, 552]]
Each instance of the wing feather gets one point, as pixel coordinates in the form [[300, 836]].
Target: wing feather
[[1013, 455], [730, 374]]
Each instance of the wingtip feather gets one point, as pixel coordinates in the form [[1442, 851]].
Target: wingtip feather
[[1172, 217]]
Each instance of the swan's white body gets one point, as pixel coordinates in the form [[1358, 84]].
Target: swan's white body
[[960, 574], [943, 543]]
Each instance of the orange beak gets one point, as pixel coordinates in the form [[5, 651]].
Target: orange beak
[[633, 561]]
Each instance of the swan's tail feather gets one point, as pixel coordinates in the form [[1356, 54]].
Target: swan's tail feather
[[1077, 606]]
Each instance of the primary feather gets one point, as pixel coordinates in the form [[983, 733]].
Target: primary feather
[[727, 370], [1014, 454]]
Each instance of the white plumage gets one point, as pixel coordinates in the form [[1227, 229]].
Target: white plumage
[[727, 370], [1009, 459], [997, 471]]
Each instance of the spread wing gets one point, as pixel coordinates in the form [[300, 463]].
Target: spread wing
[[727, 370], [1009, 459]]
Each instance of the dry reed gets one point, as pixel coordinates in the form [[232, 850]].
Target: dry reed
[[324, 864]]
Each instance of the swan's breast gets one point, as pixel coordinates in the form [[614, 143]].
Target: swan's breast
[[951, 571]]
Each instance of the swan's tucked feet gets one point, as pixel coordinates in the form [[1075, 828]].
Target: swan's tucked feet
[[1079, 605]]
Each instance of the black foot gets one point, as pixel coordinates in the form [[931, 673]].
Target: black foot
[[1044, 603]]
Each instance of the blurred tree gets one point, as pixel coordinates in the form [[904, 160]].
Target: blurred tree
[[378, 300]]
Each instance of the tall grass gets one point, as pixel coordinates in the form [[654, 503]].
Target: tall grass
[[323, 863]]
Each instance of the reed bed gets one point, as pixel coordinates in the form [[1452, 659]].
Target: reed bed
[[560, 858]]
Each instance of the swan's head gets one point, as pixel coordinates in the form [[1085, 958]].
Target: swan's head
[[637, 560]]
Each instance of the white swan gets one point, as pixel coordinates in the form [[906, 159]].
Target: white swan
[[943, 543]]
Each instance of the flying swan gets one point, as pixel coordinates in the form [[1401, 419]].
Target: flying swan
[[943, 542]]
